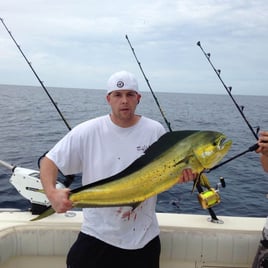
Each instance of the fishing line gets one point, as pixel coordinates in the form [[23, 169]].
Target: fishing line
[[39, 80], [148, 83]]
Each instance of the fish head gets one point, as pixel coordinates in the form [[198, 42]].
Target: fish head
[[210, 147]]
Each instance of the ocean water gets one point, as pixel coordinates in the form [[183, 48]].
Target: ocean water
[[30, 126]]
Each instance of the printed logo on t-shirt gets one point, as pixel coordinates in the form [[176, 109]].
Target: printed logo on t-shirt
[[142, 148]]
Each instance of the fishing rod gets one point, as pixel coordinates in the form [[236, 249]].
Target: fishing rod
[[69, 178], [250, 149], [240, 109], [148, 83], [228, 89], [36, 75]]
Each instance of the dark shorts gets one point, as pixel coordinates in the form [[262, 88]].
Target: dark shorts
[[89, 252]]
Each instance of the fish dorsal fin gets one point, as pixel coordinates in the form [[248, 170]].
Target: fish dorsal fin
[[165, 142]]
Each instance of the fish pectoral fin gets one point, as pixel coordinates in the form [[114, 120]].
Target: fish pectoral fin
[[195, 183], [203, 180]]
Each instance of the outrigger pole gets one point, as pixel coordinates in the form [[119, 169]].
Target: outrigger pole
[[39, 80], [148, 83]]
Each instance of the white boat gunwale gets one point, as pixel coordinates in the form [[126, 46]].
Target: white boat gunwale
[[188, 241]]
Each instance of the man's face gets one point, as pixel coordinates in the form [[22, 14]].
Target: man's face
[[123, 103]]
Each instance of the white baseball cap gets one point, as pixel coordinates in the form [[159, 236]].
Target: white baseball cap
[[122, 80]]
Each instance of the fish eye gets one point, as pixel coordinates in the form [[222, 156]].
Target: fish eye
[[222, 141]]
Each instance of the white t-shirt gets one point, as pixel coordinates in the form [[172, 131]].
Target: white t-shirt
[[98, 149]]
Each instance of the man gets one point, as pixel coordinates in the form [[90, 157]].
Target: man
[[99, 148]]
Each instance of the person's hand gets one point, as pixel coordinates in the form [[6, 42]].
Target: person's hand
[[263, 143], [59, 199], [187, 175]]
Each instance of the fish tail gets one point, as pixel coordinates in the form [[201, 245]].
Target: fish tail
[[49, 211]]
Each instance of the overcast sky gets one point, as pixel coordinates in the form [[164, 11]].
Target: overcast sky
[[79, 44]]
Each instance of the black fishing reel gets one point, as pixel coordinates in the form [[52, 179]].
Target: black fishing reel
[[211, 197]]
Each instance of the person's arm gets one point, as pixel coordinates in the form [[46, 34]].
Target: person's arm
[[264, 162], [263, 149], [59, 198]]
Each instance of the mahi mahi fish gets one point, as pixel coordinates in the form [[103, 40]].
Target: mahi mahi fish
[[156, 171]]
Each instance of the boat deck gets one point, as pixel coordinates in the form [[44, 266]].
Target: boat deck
[[188, 241]]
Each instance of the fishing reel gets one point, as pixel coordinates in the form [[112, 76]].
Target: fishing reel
[[211, 197]]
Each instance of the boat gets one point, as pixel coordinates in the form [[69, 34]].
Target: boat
[[188, 241]]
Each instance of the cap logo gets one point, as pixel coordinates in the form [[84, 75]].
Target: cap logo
[[120, 84]]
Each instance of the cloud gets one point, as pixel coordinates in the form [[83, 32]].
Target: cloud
[[79, 44]]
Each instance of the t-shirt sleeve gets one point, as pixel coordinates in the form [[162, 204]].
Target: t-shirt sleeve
[[65, 154]]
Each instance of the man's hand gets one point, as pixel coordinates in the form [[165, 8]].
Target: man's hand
[[59, 199], [263, 143], [187, 175]]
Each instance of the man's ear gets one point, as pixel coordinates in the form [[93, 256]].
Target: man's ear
[[108, 98], [138, 98]]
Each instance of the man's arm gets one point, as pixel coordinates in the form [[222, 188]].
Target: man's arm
[[264, 162], [263, 149], [59, 198]]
